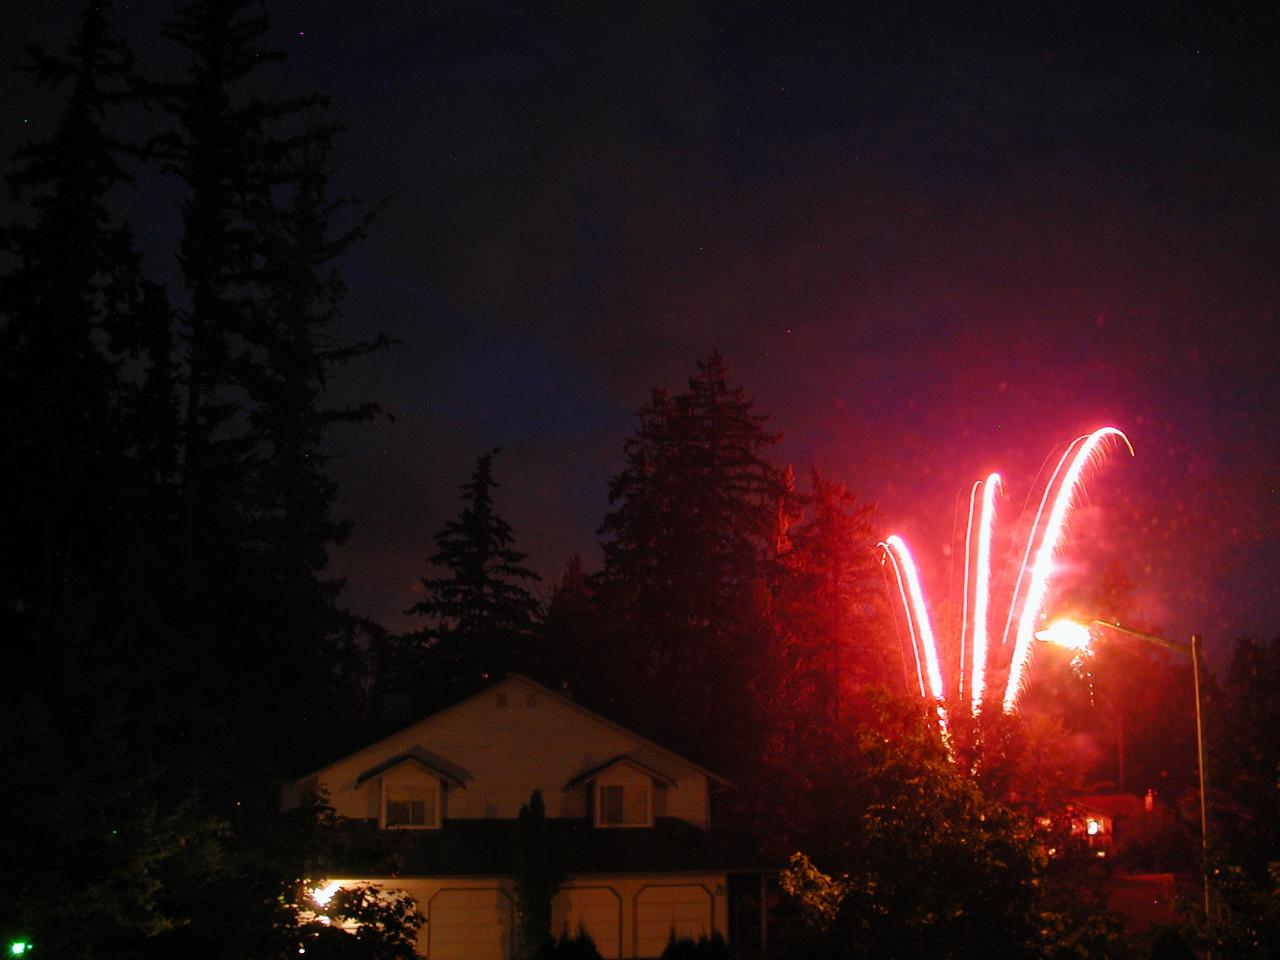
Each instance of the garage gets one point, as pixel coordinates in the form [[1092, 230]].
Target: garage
[[683, 908], [470, 924]]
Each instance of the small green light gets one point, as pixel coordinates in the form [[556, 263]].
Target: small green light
[[19, 948]]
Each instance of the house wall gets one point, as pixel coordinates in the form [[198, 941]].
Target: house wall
[[628, 916], [511, 740]]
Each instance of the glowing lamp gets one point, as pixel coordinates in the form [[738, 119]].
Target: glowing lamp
[[1093, 827], [19, 948], [1066, 633]]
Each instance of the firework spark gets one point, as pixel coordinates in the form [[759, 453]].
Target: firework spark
[[982, 596], [1050, 543], [1061, 491]]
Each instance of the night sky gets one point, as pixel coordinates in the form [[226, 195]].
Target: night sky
[[930, 246]]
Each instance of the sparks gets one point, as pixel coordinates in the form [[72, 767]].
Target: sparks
[[982, 596], [1043, 568], [1045, 541]]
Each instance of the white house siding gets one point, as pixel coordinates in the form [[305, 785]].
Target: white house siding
[[536, 741], [472, 918]]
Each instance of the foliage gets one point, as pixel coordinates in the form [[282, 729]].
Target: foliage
[[482, 617], [931, 867], [365, 922], [578, 946], [691, 538], [704, 948], [164, 560]]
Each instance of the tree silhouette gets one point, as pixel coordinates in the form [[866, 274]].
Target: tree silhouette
[[481, 617]]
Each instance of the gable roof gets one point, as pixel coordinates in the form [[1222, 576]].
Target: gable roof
[[625, 760], [433, 762], [517, 679]]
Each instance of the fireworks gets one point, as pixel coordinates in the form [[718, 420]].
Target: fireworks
[[1044, 541]]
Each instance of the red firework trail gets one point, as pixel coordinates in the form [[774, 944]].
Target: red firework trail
[[1062, 493]]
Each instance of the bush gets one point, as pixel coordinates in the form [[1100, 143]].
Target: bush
[[704, 948], [578, 947]]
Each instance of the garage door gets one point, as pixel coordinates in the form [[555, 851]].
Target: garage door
[[685, 909], [598, 910], [469, 925]]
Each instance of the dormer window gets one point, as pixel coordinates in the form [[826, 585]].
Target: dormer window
[[409, 789], [624, 805], [411, 805]]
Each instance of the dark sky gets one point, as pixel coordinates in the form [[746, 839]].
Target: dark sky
[[929, 245]]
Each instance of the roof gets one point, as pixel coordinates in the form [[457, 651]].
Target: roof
[[622, 759], [485, 848], [515, 679], [433, 762], [1111, 804]]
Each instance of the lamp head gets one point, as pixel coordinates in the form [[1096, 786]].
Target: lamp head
[[1066, 633]]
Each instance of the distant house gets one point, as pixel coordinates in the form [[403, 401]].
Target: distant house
[[1095, 819], [632, 817]]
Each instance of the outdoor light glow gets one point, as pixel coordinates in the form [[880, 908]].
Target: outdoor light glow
[[1044, 541], [1092, 827], [1068, 634], [322, 895]]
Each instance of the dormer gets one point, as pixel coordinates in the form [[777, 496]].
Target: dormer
[[623, 792], [412, 789]]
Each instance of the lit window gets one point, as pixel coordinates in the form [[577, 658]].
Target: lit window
[[624, 805], [409, 805], [1093, 827]]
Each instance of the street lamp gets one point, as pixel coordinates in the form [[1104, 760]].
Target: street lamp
[[1075, 636]]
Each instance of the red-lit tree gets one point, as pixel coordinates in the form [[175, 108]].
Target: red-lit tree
[[691, 545]]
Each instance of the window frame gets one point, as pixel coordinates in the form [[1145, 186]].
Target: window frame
[[430, 784], [645, 784]]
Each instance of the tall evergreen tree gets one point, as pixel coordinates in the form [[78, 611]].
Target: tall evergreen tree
[[831, 615], [256, 517], [482, 618], [87, 428], [697, 520]]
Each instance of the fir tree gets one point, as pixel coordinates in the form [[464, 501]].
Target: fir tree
[[482, 618], [697, 521], [86, 390], [830, 610]]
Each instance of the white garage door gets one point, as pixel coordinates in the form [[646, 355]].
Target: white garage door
[[660, 910], [598, 910], [469, 925]]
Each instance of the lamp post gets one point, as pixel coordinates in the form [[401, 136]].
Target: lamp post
[[1069, 633]]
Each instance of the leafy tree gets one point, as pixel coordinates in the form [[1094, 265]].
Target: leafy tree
[[932, 868], [692, 537], [482, 618]]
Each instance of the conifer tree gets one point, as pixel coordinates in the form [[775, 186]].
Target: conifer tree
[[482, 617], [697, 521], [830, 607], [87, 430], [256, 519]]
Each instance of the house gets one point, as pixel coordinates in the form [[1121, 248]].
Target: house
[[632, 818]]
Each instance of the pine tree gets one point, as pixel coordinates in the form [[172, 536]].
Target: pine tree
[[260, 235], [482, 619], [570, 654], [830, 610], [697, 521], [86, 390]]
